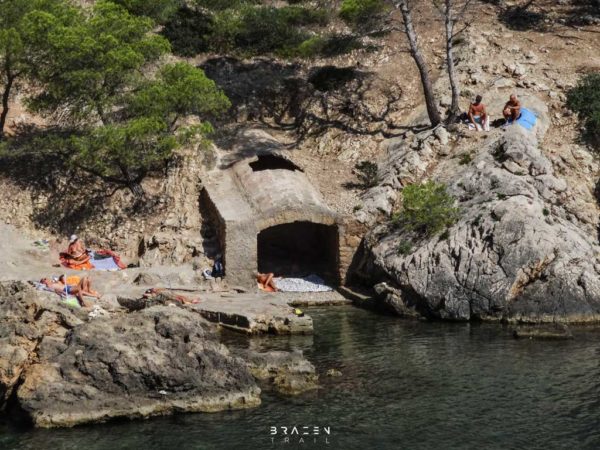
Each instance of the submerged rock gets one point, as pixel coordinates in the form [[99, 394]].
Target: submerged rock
[[156, 361], [288, 373], [394, 302], [550, 331]]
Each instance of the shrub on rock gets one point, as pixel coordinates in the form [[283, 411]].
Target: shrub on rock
[[359, 12], [426, 209], [367, 173], [585, 100]]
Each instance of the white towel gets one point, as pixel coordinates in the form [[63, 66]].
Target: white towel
[[477, 126], [310, 283]]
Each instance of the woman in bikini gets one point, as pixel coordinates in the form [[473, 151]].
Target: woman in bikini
[[77, 251], [84, 287]]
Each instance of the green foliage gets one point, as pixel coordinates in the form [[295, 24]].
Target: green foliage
[[311, 47], [190, 31], [92, 62], [585, 100], [546, 212], [159, 10], [327, 46], [92, 65], [246, 28], [127, 150], [426, 208], [223, 5], [179, 90], [300, 16], [404, 248], [19, 52], [360, 12], [267, 30], [465, 159], [367, 173], [94, 69]]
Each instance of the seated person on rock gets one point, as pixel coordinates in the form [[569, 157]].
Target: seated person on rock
[[84, 287], [512, 109], [478, 115], [265, 282], [77, 251]]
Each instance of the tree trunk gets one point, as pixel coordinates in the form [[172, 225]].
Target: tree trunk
[[5, 97], [132, 183], [432, 110], [449, 24]]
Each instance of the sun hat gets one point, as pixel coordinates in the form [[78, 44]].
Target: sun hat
[[73, 238]]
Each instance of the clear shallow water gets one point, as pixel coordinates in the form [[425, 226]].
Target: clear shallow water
[[404, 385]]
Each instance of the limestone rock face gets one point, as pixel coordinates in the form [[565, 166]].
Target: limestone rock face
[[158, 361], [516, 253], [25, 318], [67, 370]]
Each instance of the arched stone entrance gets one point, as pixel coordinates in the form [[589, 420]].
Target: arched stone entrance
[[298, 249], [268, 217]]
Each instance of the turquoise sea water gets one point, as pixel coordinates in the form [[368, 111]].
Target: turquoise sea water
[[404, 385]]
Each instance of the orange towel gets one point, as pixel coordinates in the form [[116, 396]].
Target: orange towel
[[73, 280], [69, 263], [83, 266]]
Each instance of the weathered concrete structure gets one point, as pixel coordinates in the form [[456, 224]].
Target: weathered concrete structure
[[270, 218]]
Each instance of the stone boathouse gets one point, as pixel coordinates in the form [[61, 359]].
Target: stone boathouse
[[270, 218]]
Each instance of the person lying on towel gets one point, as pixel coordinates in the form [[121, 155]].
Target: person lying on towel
[[83, 287], [265, 282], [512, 108], [77, 251]]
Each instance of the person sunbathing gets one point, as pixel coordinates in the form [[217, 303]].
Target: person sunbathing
[[84, 287], [155, 292], [77, 251], [512, 108], [478, 115], [265, 282]]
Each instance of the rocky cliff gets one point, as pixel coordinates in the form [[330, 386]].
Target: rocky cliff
[[516, 252]]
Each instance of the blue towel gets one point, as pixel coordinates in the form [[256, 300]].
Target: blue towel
[[527, 119]]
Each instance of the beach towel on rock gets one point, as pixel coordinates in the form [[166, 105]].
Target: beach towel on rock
[[527, 119], [310, 283], [99, 260], [67, 262]]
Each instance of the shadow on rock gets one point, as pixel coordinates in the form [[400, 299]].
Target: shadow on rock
[[289, 96], [64, 197]]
